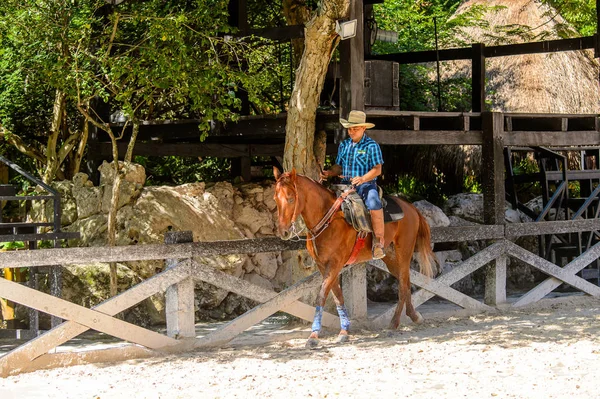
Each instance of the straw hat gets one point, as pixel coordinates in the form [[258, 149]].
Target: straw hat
[[356, 118]]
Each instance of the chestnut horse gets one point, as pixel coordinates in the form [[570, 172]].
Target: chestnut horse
[[330, 241]]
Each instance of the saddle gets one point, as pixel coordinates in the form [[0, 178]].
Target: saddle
[[356, 213]]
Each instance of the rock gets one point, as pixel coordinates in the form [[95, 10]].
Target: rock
[[266, 264], [252, 219], [132, 173], [467, 206], [87, 199], [256, 279], [433, 214]]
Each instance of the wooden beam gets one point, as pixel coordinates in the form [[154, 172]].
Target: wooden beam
[[492, 155], [456, 274], [232, 329], [17, 359], [466, 233], [354, 283], [352, 65], [478, 78], [550, 46], [90, 318], [66, 256], [179, 297], [440, 289], [552, 270], [554, 227], [493, 168], [260, 294], [426, 137], [551, 283], [549, 139]]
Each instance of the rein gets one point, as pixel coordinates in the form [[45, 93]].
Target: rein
[[325, 220]]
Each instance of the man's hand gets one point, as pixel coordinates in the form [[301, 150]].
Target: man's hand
[[357, 181], [335, 170]]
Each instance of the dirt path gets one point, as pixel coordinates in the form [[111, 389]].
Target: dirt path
[[551, 350]]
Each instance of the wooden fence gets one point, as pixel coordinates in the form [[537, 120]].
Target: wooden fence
[[183, 271]]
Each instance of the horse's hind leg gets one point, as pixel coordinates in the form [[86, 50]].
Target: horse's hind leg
[[399, 266]]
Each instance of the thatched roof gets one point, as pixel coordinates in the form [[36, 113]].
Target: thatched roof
[[565, 82]]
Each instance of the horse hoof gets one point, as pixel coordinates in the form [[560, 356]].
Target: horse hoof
[[312, 343], [419, 319], [342, 338]]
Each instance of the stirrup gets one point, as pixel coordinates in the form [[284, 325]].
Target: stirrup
[[378, 252]]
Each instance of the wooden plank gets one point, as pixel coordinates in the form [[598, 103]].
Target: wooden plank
[[551, 283], [456, 274], [492, 170], [553, 227], [495, 281], [462, 270], [179, 297], [549, 46], [39, 237], [466, 233], [478, 77], [18, 358], [550, 138], [260, 294], [426, 114], [90, 318], [179, 149], [354, 285], [417, 57], [281, 301], [552, 270], [426, 137], [440, 289], [65, 256], [352, 64]]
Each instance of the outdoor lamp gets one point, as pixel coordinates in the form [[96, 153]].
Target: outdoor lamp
[[346, 29]]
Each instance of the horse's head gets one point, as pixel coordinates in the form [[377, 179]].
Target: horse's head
[[288, 202]]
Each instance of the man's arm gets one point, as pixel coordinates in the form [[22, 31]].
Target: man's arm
[[370, 175]]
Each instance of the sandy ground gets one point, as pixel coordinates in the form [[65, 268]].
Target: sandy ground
[[550, 350]]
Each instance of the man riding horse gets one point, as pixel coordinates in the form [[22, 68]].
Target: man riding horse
[[359, 162]]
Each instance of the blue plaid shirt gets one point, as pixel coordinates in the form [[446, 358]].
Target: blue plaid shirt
[[358, 159]]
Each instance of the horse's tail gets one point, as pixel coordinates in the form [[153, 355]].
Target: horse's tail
[[423, 247]]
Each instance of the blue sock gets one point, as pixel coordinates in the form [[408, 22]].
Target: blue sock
[[316, 326], [344, 318]]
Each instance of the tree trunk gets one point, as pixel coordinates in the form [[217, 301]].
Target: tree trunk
[[114, 201], [52, 161], [320, 40]]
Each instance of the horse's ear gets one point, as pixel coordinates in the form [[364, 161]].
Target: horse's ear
[[293, 174], [276, 172]]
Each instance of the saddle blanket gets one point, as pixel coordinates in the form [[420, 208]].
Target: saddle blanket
[[357, 214]]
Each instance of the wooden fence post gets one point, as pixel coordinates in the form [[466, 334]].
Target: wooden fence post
[[478, 78], [179, 307], [354, 284], [492, 155]]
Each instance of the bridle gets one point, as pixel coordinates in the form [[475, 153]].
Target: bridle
[[321, 225]]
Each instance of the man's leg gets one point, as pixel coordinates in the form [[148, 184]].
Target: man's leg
[[371, 197]]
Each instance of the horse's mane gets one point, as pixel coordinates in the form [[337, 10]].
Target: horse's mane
[[286, 178]]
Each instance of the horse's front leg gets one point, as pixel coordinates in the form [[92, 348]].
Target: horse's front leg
[[338, 296], [329, 280]]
